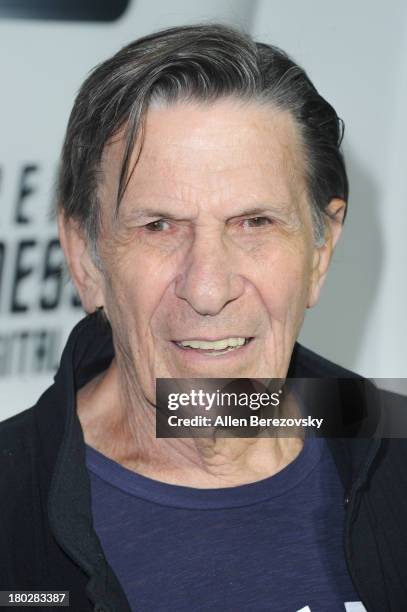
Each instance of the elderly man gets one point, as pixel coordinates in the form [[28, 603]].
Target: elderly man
[[202, 191]]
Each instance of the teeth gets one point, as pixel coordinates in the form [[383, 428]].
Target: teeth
[[218, 345]]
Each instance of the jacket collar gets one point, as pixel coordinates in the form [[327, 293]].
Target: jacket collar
[[88, 352]]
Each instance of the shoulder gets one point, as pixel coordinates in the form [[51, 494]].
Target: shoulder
[[387, 489], [17, 442], [32, 437], [17, 468], [16, 432]]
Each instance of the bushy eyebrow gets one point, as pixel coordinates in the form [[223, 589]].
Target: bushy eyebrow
[[265, 209], [153, 213], [138, 213]]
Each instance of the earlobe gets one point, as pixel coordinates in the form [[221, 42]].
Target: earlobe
[[84, 273], [335, 212], [322, 256]]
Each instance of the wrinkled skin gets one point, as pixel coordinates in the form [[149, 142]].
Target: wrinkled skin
[[214, 239]]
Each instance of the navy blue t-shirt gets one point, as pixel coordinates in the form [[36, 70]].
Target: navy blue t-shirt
[[276, 544]]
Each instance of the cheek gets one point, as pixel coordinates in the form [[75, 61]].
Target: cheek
[[134, 288], [283, 281]]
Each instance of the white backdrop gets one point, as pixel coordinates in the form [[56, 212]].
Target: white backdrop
[[356, 54]]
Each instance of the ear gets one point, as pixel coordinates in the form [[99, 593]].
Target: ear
[[322, 255], [84, 273]]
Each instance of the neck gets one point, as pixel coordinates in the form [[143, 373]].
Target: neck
[[120, 423]]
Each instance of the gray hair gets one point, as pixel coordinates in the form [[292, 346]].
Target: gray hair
[[197, 63]]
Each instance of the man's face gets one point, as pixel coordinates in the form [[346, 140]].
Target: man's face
[[213, 243]]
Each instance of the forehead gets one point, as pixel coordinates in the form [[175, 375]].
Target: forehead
[[226, 150]]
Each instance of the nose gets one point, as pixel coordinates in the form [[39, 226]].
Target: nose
[[208, 280]]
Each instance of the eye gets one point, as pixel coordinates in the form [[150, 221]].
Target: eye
[[257, 222], [157, 226]]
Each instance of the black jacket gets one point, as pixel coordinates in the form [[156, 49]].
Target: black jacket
[[47, 541]]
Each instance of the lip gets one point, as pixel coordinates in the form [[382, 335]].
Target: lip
[[189, 353], [200, 339]]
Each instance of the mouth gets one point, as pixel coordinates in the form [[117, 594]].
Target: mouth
[[214, 348]]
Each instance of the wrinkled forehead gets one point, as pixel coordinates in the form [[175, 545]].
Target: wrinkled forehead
[[227, 150]]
